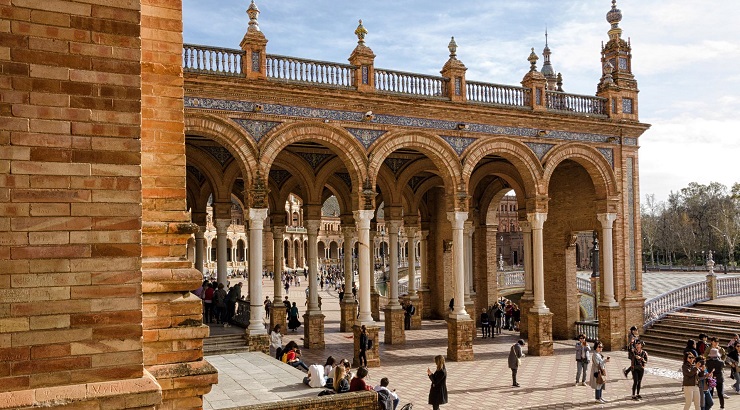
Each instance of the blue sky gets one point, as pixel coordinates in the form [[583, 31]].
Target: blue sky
[[685, 58]]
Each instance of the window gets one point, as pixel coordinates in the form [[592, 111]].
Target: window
[[627, 105]]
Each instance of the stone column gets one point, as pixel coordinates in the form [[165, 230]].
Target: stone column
[[423, 293], [313, 319], [222, 226], [374, 294], [365, 265], [257, 338], [610, 314], [348, 306], [540, 319], [607, 253], [468, 263], [527, 300], [413, 296], [394, 314], [200, 242], [460, 326], [278, 312]]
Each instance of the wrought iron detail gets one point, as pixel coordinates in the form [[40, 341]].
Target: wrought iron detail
[[221, 154], [314, 159], [365, 136], [459, 144], [539, 149], [257, 129]]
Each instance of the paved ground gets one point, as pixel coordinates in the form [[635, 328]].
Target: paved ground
[[547, 382]]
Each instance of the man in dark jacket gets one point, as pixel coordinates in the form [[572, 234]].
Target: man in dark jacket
[[515, 355], [235, 293], [715, 364]]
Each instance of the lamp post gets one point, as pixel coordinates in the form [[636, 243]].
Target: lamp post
[[595, 274]]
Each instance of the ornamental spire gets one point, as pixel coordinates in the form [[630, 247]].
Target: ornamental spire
[[614, 16], [361, 32], [453, 48], [253, 12], [532, 61]]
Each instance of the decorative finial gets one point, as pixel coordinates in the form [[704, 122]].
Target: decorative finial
[[253, 12], [533, 60], [546, 37], [453, 48], [560, 82], [614, 16], [360, 32], [608, 70]]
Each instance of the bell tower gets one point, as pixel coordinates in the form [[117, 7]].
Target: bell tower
[[617, 83]]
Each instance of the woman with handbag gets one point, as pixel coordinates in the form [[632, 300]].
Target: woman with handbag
[[438, 390], [597, 378], [515, 360], [638, 357]]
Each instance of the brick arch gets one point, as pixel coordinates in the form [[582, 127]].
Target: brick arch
[[422, 189], [230, 136], [590, 159], [442, 155], [341, 142], [524, 160], [211, 170]]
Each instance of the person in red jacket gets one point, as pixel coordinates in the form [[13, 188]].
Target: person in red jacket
[[358, 382]]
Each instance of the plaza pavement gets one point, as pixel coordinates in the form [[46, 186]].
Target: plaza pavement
[[485, 383]]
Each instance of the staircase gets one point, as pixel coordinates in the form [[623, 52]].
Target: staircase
[[224, 344], [667, 337]]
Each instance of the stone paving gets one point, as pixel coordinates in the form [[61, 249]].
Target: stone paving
[[547, 382]]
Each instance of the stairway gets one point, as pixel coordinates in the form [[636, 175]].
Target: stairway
[[667, 337], [224, 344]]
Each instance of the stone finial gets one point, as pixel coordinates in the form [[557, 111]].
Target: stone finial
[[253, 12], [533, 60], [361, 32], [608, 70], [453, 48], [560, 82], [614, 16]]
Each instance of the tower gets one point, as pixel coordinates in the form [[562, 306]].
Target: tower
[[617, 82], [547, 69]]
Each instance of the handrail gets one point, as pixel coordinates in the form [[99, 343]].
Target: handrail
[[302, 70], [510, 279], [588, 328], [498, 94], [575, 103], [401, 82], [659, 306], [584, 286], [728, 286], [212, 60]]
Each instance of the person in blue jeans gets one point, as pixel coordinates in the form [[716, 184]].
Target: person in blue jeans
[[583, 357], [599, 366]]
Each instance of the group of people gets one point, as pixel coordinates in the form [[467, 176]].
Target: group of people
[[504, 314], [219, 304], [703, 371]]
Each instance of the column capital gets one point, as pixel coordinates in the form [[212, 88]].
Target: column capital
[[201, 232], [349, 232], [393, 226], [457, 218], [222, 225], [257, 214], [468, 227], [410, 231], [312, 226], [526, 226], [606, 219], [278, 231], [363, 217], [424, 234], [537, 219]]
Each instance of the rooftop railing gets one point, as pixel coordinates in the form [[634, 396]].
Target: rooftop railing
[[212, 60], [400, 82], [575, 104], [497, 94], [301, 70]]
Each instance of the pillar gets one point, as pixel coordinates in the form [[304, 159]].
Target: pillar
[[374, 294], [313, 319], [200, 242], [413, 296], [424, 306], [460, 326], [257, 338], [609, 312], [527, 300], [278, 313], [222, 225], [607, 252], [348, 306], [365, 265], [468, 263], [394, 314], [540, 319]]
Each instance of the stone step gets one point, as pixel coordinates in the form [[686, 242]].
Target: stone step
[[224, 344], [692, 329], [719, 308]]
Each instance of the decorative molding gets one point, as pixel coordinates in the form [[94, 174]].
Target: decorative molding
[[608, 153], [257, 129], [539, 149], [365, 136], [459, 144], [632, 268], [221, 154], [314, 159], [629, 141], [279, 176], [396, 164]]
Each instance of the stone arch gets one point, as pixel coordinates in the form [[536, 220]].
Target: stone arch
[[339, 140], [230, 136], [442, 155], [211, 169], [518, 154], [602, 175]]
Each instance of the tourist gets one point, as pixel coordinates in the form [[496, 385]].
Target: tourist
[[714, 344], [340, 382], [690, 348], [293, 357], [358, 382], [293, 322], [498, 315], [364, 345], [690, 382], [515, 359], [208, 303], [485, 325], [714, 364], [638, 358], [516, 315], [219, 304], [452, 304], [583, 357], [410, 310], [701, 345], [276, 342], [438, 390], [235, 293], [268, 306], [632, 338], [383, 387], [509, 316], [733, 360], [597, 377], [286, 302], [315, 377], [705, 394], [731, 343], [329, 370], [200, 291]]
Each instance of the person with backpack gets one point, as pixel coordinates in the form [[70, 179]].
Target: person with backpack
[[715, 363], [387, 399], [219, 303], [632, 339], [235, 293]]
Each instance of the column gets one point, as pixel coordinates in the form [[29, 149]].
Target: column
[[424, 306], [348, 308], [277, 315], [539, 320], [393, 227], [526, 302], [410, 237], [200, 241], [313, 319], [468, 263], [362, 219], [458, 262], [222, 225], [257, 218], [374, 294], [607, 252]]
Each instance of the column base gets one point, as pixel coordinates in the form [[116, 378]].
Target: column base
[[540, 334], [313, 330], [394, 329], [611, 333], [258, 343], [525, 304], [375, 305], [373, 356], [425, 304], [416, 317], [278, 317], [348, 315], [470, 310], [460, 339]]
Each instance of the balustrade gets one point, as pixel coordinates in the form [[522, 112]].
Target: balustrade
[[728, 286], [409, 83], [590, 329], [574, 103], [511, 279], [498, 94], [661, 305], [212, 60], [584, 286], [309, 71]]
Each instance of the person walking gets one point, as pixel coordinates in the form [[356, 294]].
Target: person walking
[[583, 357], [733, 360], [638, 358], [364, 345], [485, 324], [597, 377], [293, 322], [438, 390], [690, 382], [515, 360], [632, 338], [715, 363]]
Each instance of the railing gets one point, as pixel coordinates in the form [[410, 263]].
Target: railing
[[403, 287], [241, 317], [295, 229], [511, 279], [309, 71], [728, 286], [573, 103], [409, 83], [590, 329], [497, 94], [212, 60], [660, 306], [584, 286]]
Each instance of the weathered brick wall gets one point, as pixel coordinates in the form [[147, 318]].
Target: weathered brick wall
[[364, 400]]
